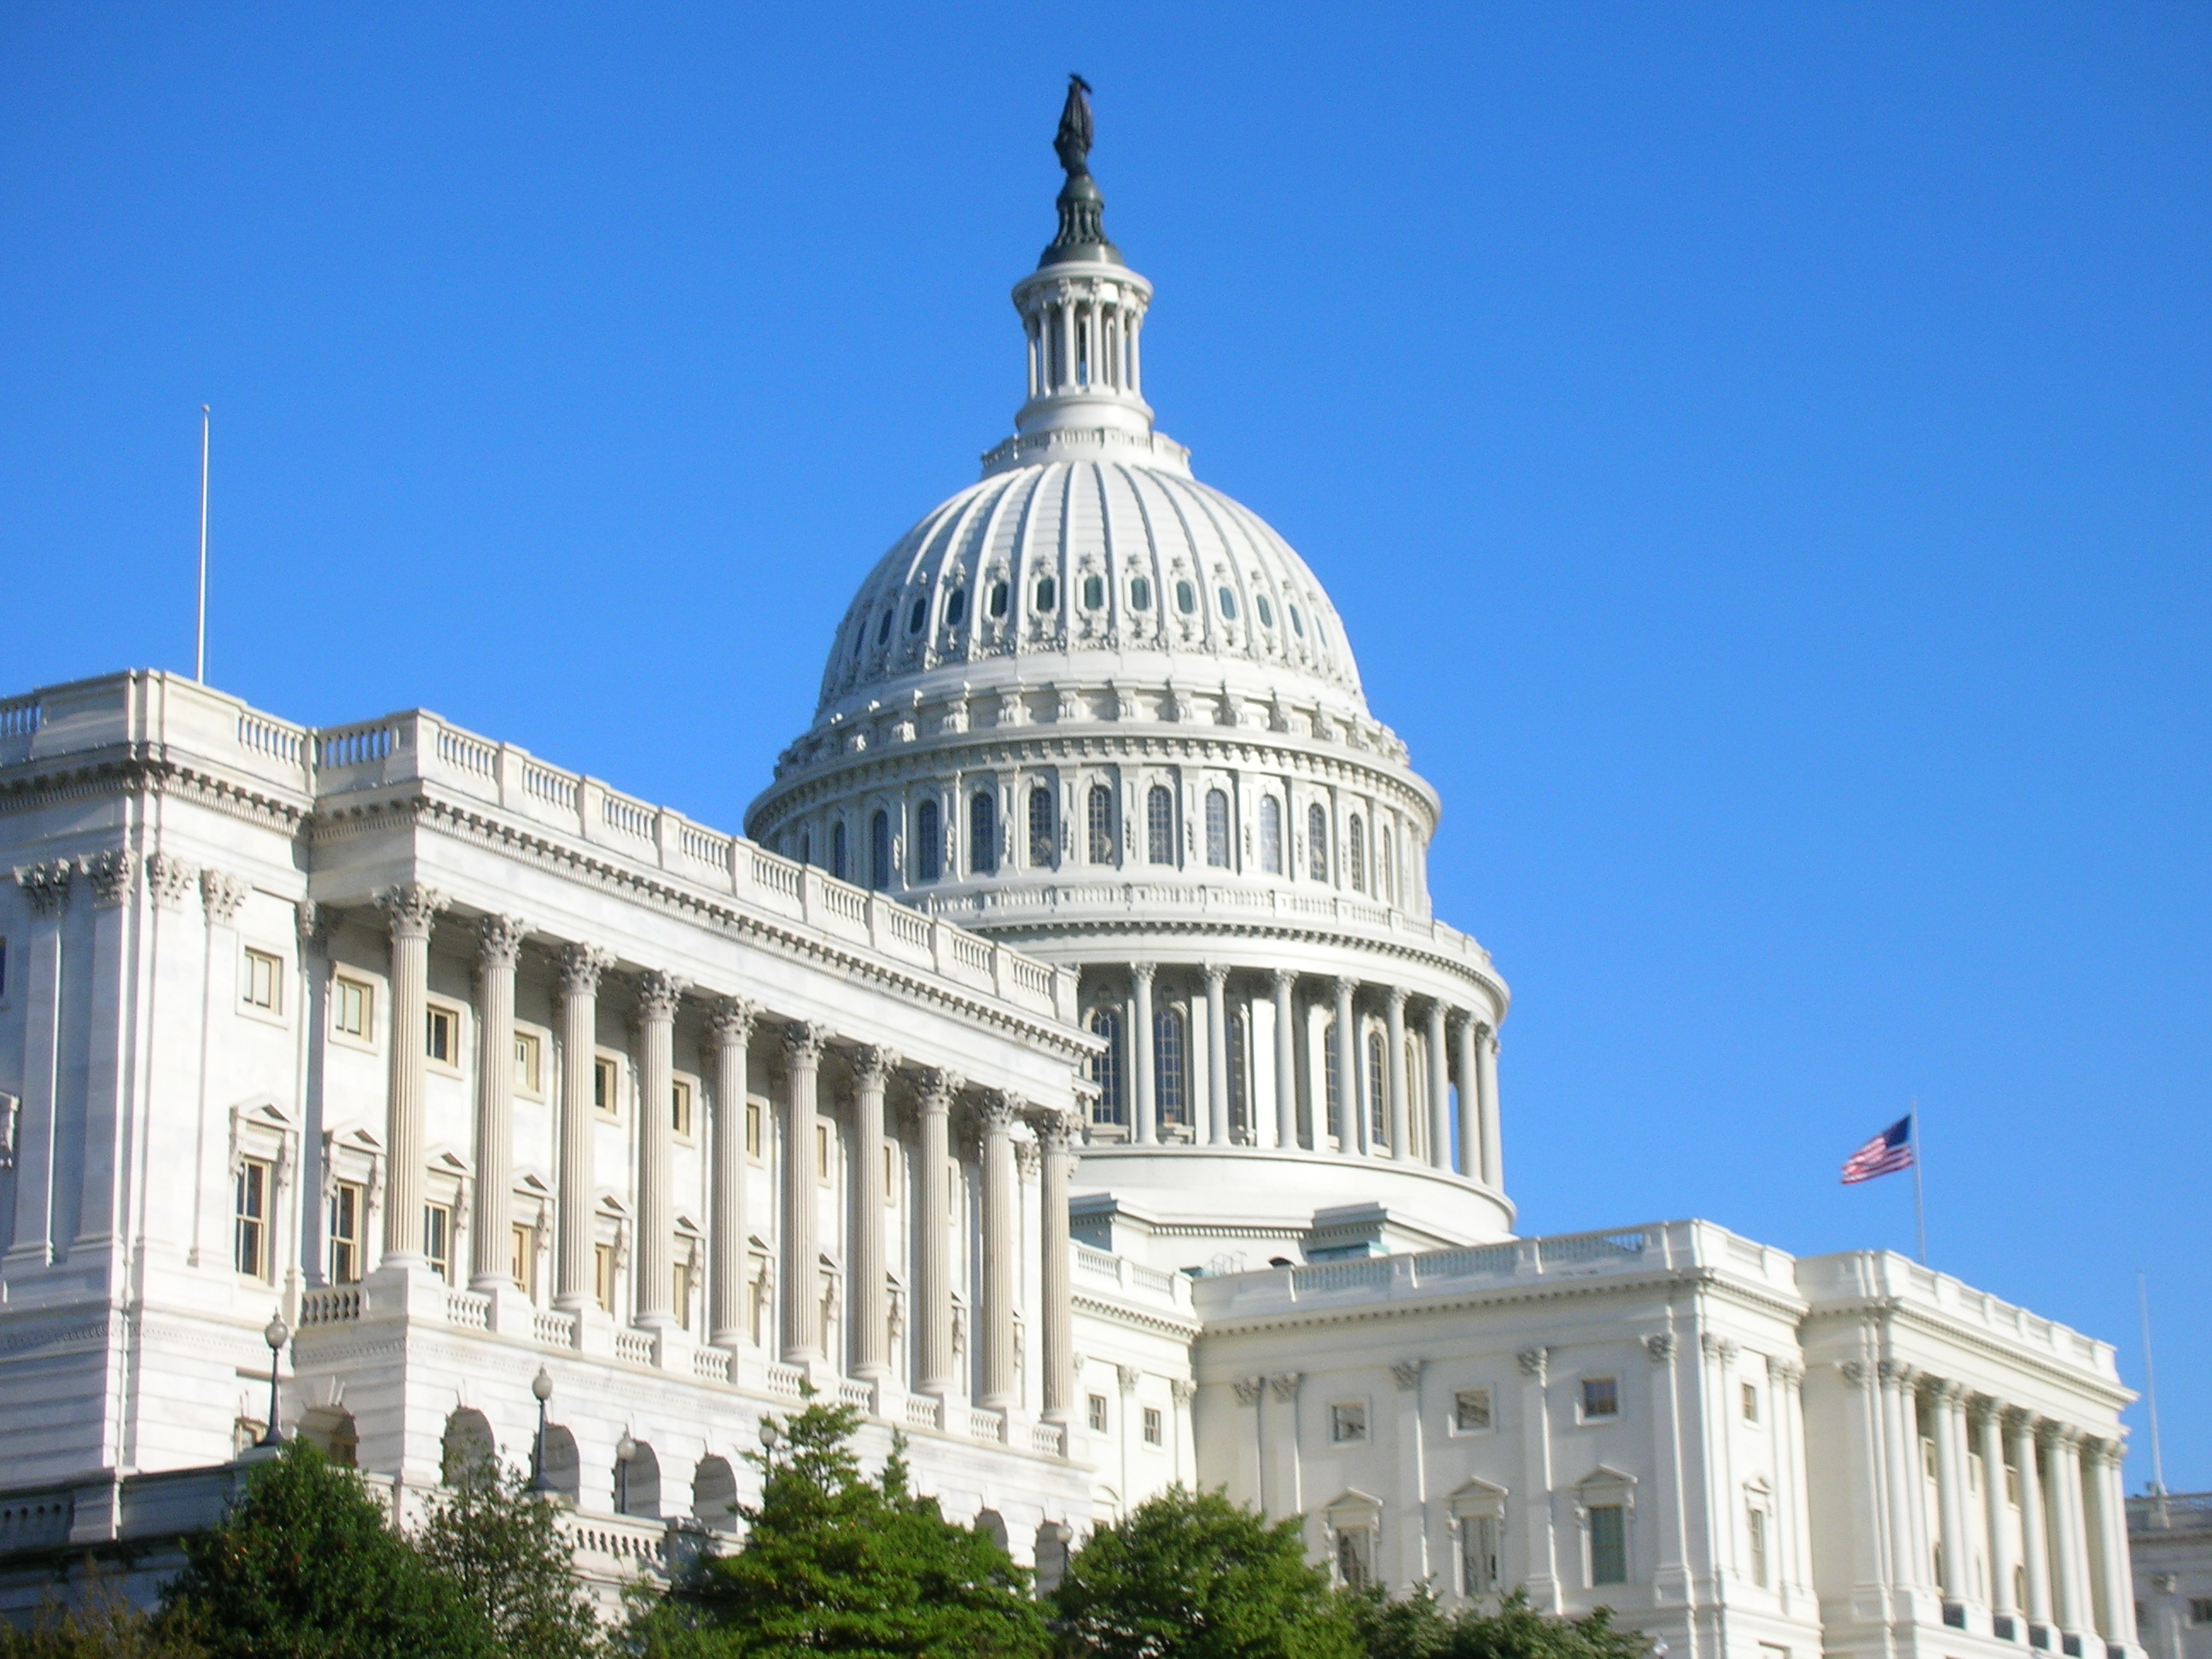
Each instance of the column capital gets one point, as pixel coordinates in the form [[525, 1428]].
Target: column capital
[[1395, 996], [1535, 1362], [1659, 1348], [581, 967], [996, 1112], [1128, 1376], [1983, 1408], [1055, 1129], [409, 908], [499, 940], [224, 895], [1280, 980], [1183, 1389], [2019, 1420], [936, 1090], [2110, 1453], [658, 995], [1249, 1389], [1853, 1372], [731, 1021], [1895, 1372], [1785, 1373], [1216, 975], [46, 885], [1283, 1385], [1406, 1374], [1143, 971], [803, 1043], [2064, 1436], [1947, 1391], [1716, 1346], [872, 1064], [1345, 986]]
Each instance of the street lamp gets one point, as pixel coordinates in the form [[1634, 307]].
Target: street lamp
[[541, 1386], [275, 1333], [769, 1435], [625, 1452]]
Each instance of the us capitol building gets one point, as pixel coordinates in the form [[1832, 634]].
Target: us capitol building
[[1067, 1069]]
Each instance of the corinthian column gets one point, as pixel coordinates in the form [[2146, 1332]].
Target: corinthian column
[[2035, 1545], [1001, 1246], [1147, 1126], [1943, 1398], [1440, 1154], [581, 968], [658, 994], [2111, 1504], [933, 1241], [498, 943], [1493, 1155], [1216, 1056], [1470, 1101], [1987, 1430], [1350, 1138], [1281, 983], [409, 910], [871, 1317], [1401, 1125], [802, 1268], [1055, 1132], [729, 1030]]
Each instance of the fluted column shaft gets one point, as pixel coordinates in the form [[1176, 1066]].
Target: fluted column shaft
[[1440, 1152], [1282, 982], [498, 943], [1402, 1117], [933, 1250], [1470, 1100], [1056, 1133], [801, 1305], [1901, 1439], [729, 1031], [2034, 1544], [409, 910], [658, 994], [1351, 1135], [2066, 1528], [581, 968], [1216, 1056], [2119, 1625], [1988, 1438], [1001, 1242], [1494, 1152], [872, 1357], [1950, 1487], [1147, 1127]]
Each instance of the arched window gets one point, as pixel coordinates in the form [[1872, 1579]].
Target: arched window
[[1102, 824], [1386, 883], [1355, 852], [1159, 824], [1094, 592], [1267, 611], [1167, 1064], [1297, 622], [956, 607], [1140, 593], [1271, 834], [928, 843], [1317, 842], [1217, 828], [879, 850], [1048, 594], [1044, 844], [982, 834], [1106, 1068], [1336, 1125], [838, 849], [1378, 1090]]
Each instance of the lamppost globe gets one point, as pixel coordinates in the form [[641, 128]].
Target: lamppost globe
[[275, 1333], [541, 1386], [768, 1433], [541, 1389]]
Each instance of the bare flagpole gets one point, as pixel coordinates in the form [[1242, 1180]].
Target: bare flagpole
[[2151, 1390], [1919, 1206], [199, 644]]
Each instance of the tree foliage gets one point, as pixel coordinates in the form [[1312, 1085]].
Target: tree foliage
[[1193, 1576], [1416, 1628], [102, 1625], [835, 1564], [499, 1545], [305, 1565]]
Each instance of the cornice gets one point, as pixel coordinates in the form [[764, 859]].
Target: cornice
[[147, 769], [1122, 1313], [1932, 1322]]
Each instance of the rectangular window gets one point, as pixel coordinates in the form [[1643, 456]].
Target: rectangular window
[[2012, 1487], [437, 1239], [1098, 1413], [1152, 1426], [679, 1109], [522, 1259], [442, 1035], [603, 1276], [1477, 1554], [752, 1128], [1355, 1554], [822, 1152], [2200, 1610], [347, 1200], [890, 1176], [1347, 1425], [682, 1291], [264, 982], [529, 1063], [250, 1246], [606, 1088], [353, 1006], [1750, 1403], [1471, 1410], [1600, 1398], [1609, 1544], [1754, 1528]]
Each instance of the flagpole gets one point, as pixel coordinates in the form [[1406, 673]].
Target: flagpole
[[199, 638], [2150, 1388], [1919, 1204]]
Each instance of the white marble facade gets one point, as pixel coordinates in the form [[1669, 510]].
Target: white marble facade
[[1070, 1071]]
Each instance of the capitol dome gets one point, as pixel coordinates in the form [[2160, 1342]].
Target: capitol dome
[[1095, 708]]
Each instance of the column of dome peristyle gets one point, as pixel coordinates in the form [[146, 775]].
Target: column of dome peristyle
[[1082, 318]]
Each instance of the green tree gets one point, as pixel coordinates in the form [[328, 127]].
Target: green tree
[[1193, 1576], [500, 1547], [102, 1625], [835, 1564], [1415, 1627], [305, 1565]]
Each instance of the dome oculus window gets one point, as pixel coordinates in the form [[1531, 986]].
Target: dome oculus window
[[1228, 604], [1140, 593], [1297, 622], [1185, 598], [997, 599], [956, 608], [1267, 611], [1094, 592], [1048, 595], [918, 616]]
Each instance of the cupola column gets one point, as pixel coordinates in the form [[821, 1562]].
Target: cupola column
[[1217, 1055], [1439, 1090], [1464, 1031], [1402, 1136], [1348, 1114], [1140, 975], [1493, 1156], [1283, 982]]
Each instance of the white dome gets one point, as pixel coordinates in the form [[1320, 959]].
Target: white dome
[[1123, 555]]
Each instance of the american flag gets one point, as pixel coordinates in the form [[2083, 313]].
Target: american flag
[[1886, 1154]]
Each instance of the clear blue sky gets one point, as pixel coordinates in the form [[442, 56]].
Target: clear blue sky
[[1760, 453]]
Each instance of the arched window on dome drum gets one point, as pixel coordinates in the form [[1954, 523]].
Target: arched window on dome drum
[[1101, 824], [997, 599], [1185, 598], [1159, 824], [1048, 594], [1355, 852], [1168, 1069], [1094, 592], [982, 834], [1334, 1105], [1106, 1068], [918, 616], [1386, 883], [879, 850], [1271, 834], [1044, 844], [956, 607], [1317, 842], [1140, 593], [1240, 1082], [838, 849], [1378, 1087], [1217, 828], [928, 843]]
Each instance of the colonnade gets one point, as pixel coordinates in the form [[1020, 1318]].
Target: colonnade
[[2055, 1578], [1327, 1102], [994, 1120]]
